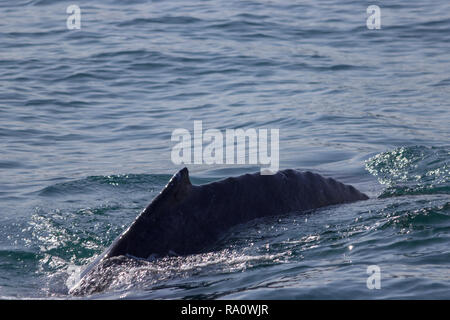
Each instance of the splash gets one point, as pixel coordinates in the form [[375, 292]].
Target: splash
[[412, 170]]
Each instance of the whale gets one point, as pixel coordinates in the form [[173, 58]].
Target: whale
[[187, 219]]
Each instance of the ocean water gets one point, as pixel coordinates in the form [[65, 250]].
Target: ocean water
[[86, 118]]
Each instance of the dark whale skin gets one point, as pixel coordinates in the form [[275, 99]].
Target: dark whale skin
[[185, 219]]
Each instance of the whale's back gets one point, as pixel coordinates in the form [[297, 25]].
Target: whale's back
[[186, 219]]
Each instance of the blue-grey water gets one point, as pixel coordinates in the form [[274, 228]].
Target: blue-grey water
[[86, 118]]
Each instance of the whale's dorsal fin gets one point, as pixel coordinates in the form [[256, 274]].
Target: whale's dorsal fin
[[179, 185], [175, 191], [183, 177]]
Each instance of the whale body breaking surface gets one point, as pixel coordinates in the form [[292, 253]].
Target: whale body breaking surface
[[187, 219]]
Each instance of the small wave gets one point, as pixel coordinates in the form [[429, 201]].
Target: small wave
[[17, 256], [84, 76], [442, 83], [123, 273], [91, 183], [163, 20], [109, 54], [42, 2], [237, 25], [419, 218], [412, 170]]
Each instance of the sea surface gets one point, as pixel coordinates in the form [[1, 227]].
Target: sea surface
[[86, 118]]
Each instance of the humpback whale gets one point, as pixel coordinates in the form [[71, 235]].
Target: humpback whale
[[186, 219]]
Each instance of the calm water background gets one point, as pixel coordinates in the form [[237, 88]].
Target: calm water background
[[86, 118]]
